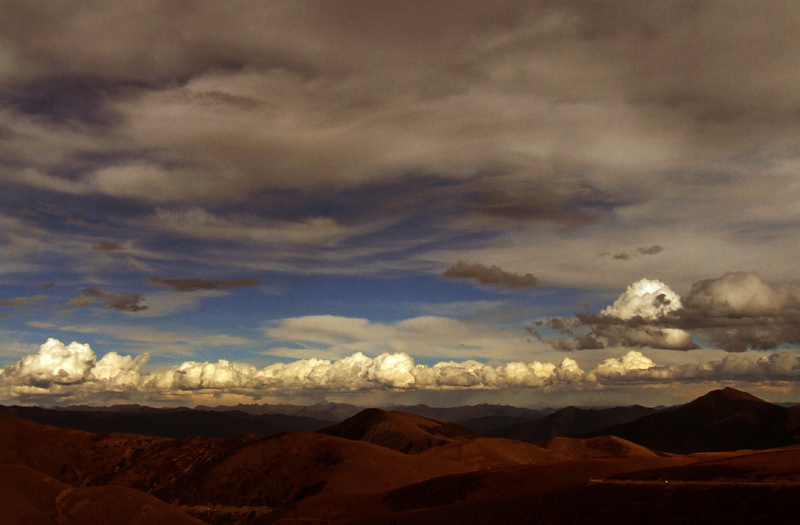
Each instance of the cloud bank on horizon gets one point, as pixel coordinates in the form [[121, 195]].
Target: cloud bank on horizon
[[60, 373], [467, 181]]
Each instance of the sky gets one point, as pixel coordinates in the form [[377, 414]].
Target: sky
[[534, 203]]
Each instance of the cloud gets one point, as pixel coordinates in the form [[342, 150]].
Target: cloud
[[648, 299], [493, 276], [22, 301], [649, 250], [735, 312], [641, 250], [57, 372], [431, 336], [110, 300], [195, 284], [54, 363], [154, 341], [107, 246], [633, 360], [739, 311]]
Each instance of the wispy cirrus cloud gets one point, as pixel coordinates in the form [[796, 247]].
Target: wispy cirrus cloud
[[194, 284]]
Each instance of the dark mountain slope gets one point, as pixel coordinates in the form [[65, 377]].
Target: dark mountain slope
[[721, 420], [569, 422], [172, 423]]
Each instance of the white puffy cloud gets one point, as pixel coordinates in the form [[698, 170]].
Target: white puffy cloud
[[119, 370], [633, 360], [54, 363], [57, 371], [646, 298]]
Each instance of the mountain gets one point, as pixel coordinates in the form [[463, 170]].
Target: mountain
[[487, 424], [726, 419], [569, 422], [245, 471], [400, 431], [467, 412], [598, 447], [58, 475], [172, 423]]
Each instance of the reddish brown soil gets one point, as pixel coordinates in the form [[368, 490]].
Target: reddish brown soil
[[53, 475]]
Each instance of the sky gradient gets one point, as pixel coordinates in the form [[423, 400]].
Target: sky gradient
[[535, 203]]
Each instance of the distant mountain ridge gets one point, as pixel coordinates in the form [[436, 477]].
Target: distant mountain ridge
[[173, 423], [726, 419]]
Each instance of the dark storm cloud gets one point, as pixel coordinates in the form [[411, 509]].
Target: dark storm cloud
[[110, 300], [196, 284], [490, 275]]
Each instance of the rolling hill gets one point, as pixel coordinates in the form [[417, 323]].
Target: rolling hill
[[400, 431]]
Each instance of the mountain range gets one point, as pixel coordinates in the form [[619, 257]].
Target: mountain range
[[382, 466]]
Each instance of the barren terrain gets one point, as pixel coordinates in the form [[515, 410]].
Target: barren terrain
[[389, 467]]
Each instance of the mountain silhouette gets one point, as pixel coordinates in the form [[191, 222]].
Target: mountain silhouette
[[569, 422], [166, 422], [726, 419]]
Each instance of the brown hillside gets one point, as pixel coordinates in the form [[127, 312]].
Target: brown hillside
[[27, 495], [118, 505], [598, 447], [484, 453], [400, 431]]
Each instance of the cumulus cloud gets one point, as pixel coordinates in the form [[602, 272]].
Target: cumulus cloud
[[54, 363], [73, 370], [195, 284], [492, 275], [739, 311], [735, 312]]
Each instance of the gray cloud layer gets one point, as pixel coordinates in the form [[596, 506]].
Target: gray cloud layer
[[256, 104]]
